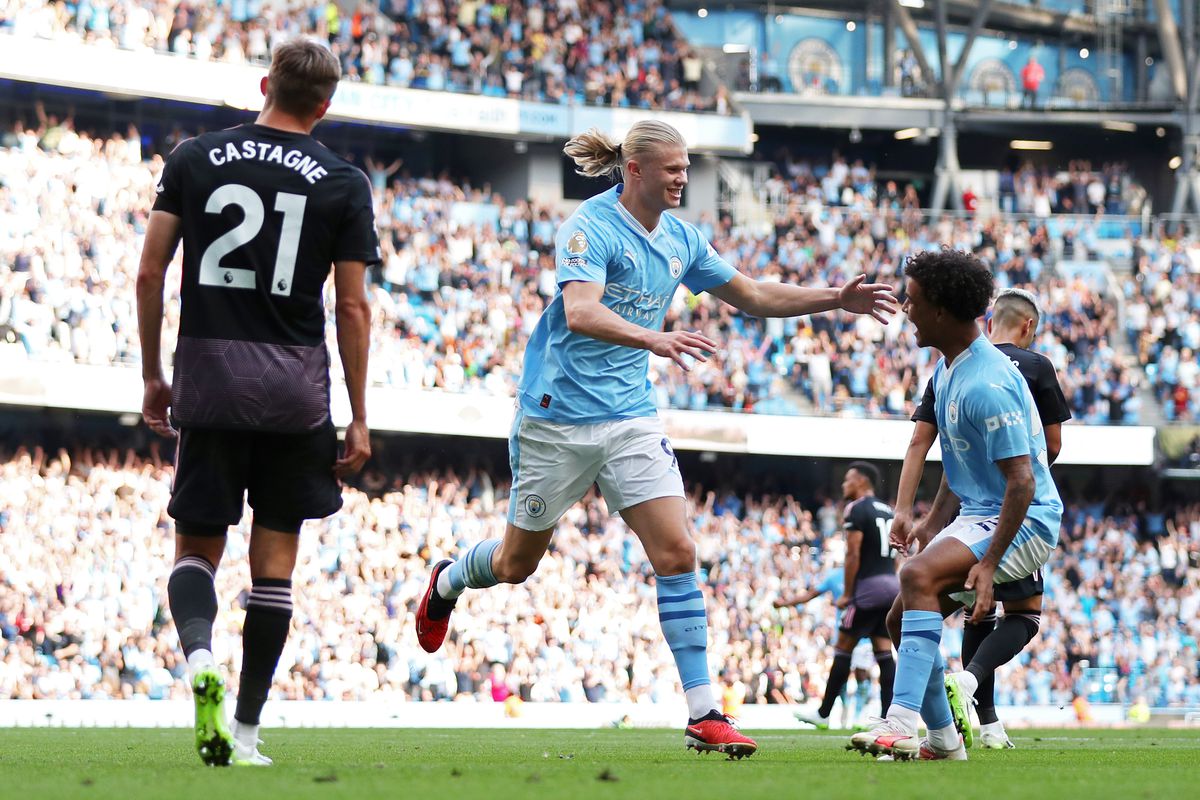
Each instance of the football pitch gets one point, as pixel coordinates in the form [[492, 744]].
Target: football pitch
[[457, 764]]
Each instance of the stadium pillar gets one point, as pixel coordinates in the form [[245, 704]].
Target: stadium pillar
[[914, 39], [1141, 81], [944, 68], [945, 180], [889, 46], [946, 174], [1168, 34], [869, 57], [1187, 177], [977, 22]]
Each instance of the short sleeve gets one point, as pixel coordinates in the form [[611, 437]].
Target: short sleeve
[[1048, 396], [170, 183], [581, 251], [828, 583], [925, 411], [1000, 413], [707, 270], [356, 237], [853, 520]]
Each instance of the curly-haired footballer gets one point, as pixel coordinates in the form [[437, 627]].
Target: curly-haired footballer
[[994, 462]]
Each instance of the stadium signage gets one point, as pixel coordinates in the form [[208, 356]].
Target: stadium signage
[[149, 74]]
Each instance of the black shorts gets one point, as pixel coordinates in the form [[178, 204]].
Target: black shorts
[[288, 477], [863, 622], [1021, 589]]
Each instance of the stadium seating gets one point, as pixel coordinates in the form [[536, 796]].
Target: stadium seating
[[466, 273], [571, 51], [83, 606], [1162, 296]]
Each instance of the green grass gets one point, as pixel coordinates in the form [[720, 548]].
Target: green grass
[[461, 764]]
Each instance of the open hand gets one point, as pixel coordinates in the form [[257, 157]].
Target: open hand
[[673, 345], [876, 299]]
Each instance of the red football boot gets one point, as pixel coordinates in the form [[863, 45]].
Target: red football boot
[[431, 632], [715, 731]]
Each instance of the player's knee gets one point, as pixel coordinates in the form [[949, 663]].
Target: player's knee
[[677, 559], [914, 577], [513, 570]]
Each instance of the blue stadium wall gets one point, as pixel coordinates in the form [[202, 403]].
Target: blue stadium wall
[[795, 43]]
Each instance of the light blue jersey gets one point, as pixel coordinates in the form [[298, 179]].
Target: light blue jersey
[[573, 378], [834, 583], [985, 414]]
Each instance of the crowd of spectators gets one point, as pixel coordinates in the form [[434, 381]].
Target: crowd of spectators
[[1081, 189], [1162, 317], [87, 545], [571, 51], [466, 273], [837, 218], [1032, 191]]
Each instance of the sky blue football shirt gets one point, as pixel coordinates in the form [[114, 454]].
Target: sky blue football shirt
[[572, 378], [986, 414]]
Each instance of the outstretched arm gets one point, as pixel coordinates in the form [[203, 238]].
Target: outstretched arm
[[797, 600], [763, 299]]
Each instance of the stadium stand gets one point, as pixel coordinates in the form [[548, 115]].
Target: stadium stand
[[572, 51], [466, 273], [1163, 318], [83, 608]]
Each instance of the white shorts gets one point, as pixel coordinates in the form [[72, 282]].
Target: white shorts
[[1027, 553], [554, 463]]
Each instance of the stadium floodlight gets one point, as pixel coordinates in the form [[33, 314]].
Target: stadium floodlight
[[913, 3], [702, 13], [1030, 144], [1175, 163], [907, 133], [1117, 125]]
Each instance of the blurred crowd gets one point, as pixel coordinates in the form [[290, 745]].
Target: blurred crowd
[[571, 51], [86, 552], [466, 272], [1162, 317], [1036, 192]]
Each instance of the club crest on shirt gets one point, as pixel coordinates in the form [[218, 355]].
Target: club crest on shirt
[[952, 413], [577, 245], [676, 266]]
